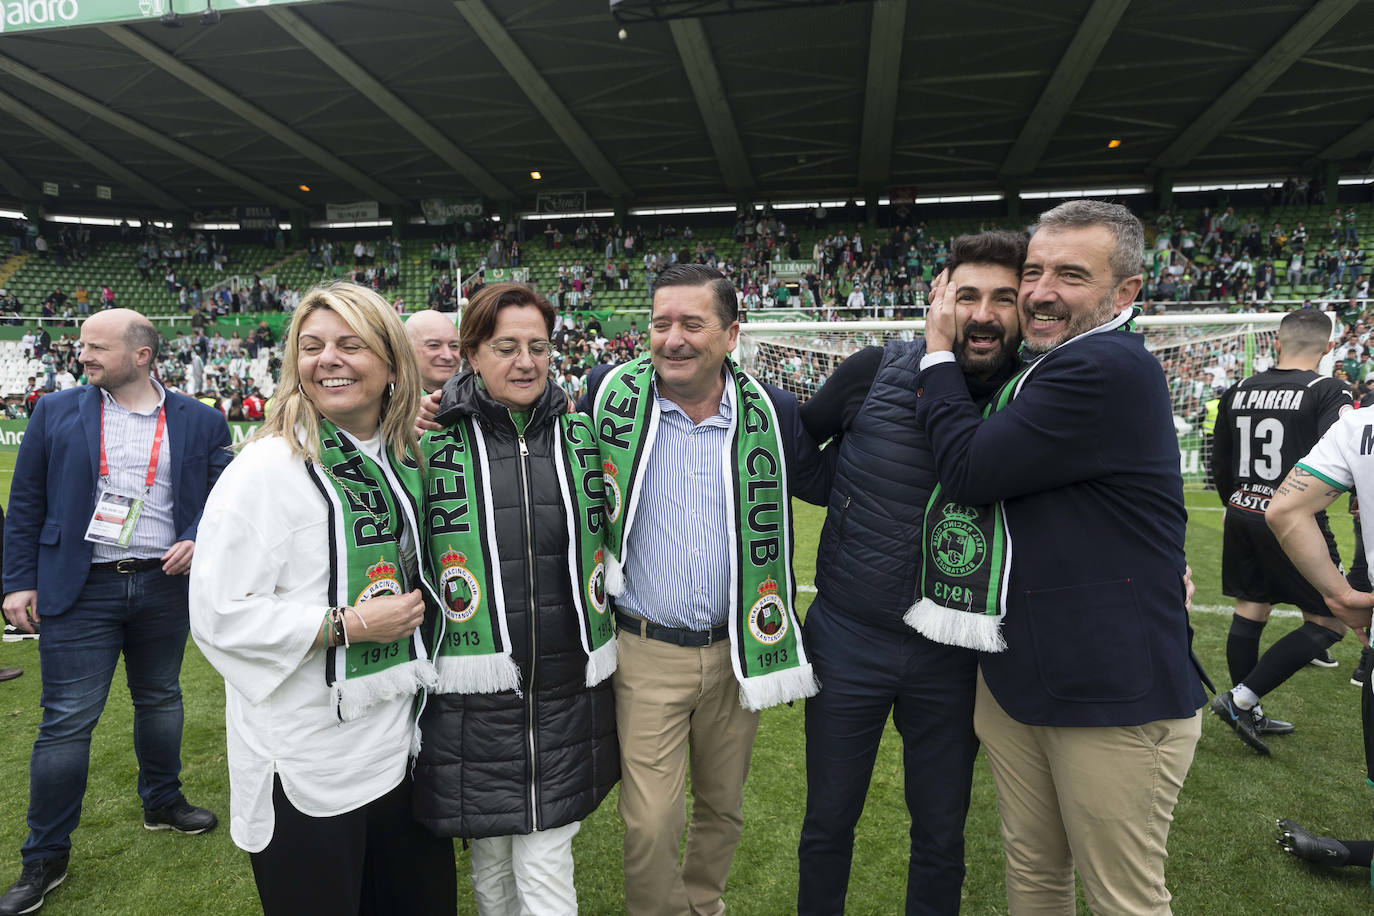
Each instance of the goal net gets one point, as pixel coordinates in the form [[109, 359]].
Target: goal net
[[1199, 353]]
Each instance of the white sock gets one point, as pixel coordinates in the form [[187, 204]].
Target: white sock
[[1244, 697]]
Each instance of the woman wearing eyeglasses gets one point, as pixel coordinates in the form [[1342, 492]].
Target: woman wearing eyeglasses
[[519, 738]]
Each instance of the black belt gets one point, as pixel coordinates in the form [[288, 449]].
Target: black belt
[[127, 566], [692, 639]]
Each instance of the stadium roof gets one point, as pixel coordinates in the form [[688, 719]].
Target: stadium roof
[[398, 100]]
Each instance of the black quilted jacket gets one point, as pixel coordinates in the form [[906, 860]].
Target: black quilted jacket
[[546, 755]]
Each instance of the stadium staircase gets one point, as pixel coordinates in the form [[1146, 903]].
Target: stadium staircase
[[10, 267]]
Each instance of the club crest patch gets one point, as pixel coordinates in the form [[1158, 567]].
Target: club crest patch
[[768, 616], [613, 499], [381, 581], [596, 583], [458, 587], [956, 545]]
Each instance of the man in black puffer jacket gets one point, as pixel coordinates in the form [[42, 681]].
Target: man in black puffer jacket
[[869, 661]]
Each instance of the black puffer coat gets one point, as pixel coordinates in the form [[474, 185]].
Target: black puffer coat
[[509, 763]]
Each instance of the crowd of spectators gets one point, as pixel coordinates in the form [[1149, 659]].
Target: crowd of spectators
[[841, 274], [65, 245], [579, 344], [220, 367], [1223, 257], [1201, 363]]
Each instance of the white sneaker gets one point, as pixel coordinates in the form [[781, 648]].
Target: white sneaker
[[14, 634], [1325, 660]]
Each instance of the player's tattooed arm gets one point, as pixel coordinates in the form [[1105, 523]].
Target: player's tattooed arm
[[1300, 482], [1292, 516]]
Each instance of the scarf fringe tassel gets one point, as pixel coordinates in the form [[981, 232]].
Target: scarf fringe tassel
[[766, 690], [477, 674], [601, 664], [358, 695], [954, 627], [615, 575]]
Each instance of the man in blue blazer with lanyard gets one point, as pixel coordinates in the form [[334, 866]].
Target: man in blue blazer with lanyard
[[108, 489], [1089, 711]]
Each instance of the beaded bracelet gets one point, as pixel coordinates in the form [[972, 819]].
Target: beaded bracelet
[[336, 616]]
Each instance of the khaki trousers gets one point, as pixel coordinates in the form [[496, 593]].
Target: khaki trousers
[[673, 704], [1100, 799]]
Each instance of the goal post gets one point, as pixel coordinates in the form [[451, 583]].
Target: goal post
[[1197, 353]]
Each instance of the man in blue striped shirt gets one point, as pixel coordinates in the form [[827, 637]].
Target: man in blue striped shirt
[[677, 693]]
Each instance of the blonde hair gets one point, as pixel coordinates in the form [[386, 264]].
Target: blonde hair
[[296, 419]]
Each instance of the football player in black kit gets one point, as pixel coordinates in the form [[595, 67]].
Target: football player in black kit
[[1266, 423]]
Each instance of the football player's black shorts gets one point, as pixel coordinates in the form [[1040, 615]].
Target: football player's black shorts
[[1255, 568]]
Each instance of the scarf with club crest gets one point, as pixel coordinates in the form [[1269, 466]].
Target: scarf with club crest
[[769, 658], [966, 550], [470, 637], [372, 505]]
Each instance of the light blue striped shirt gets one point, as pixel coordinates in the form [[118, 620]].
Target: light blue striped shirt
[[128, 449], [677, 564]]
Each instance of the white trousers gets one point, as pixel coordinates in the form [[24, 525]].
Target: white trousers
[[529, 875]]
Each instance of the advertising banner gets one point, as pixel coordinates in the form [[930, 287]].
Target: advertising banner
[[257, 218], [445, 211], [32, 15], [354, 212], [219, 215], [507, 275], [784, 269], [562, 202]]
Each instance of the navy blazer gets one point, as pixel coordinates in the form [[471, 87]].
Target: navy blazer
[[1086, 460], [54, 489], [808, 472]]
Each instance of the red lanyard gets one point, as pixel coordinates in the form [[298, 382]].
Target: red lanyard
[[157, 445]]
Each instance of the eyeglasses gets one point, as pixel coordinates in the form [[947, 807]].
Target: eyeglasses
[[510, 349]]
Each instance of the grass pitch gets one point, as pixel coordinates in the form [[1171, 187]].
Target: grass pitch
[[1223, 857]]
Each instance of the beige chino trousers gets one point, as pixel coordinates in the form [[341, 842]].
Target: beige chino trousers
[[1100, 799], [674, 705]]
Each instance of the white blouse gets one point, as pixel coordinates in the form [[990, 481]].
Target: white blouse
[[259, 592]]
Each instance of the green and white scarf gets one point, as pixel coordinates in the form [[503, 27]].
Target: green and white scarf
[[966, 550], [769, 658], [371, 505], [965, 563], [471, 639]]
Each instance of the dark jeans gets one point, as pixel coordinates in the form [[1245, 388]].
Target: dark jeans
[[144, 616], [371, 861], [866, 672]]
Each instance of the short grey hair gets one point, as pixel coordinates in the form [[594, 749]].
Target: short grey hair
[[1128, 257]]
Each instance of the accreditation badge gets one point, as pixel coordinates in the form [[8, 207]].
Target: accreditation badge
[[114, 519]]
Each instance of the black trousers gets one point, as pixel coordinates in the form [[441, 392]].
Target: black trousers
[[373, 861], [868, 673]]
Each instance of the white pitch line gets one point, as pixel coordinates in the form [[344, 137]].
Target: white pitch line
[[1220, 610], [1227, 610]]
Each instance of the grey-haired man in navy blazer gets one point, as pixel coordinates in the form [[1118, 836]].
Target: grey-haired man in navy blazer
[[1090, 715]]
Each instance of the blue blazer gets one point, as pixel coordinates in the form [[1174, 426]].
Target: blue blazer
[[1086, 460], [53, 493]]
